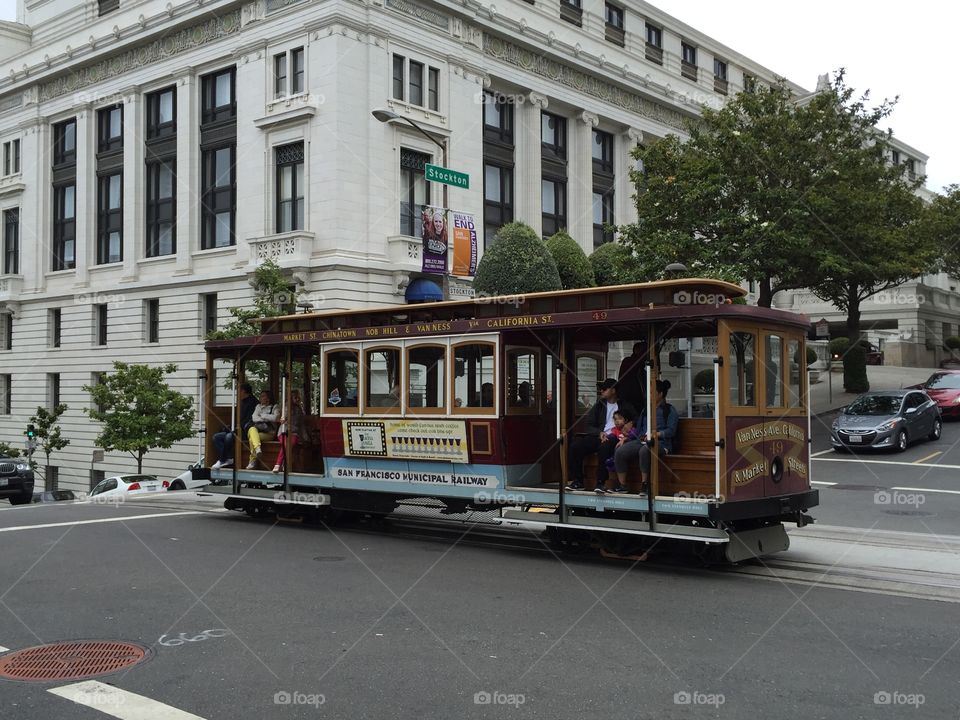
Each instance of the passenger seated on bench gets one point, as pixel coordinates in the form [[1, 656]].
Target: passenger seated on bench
[[637, 447], [623, 426], [264, 422], [593, 438]]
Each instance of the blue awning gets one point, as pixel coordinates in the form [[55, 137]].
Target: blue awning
[[422, 290]]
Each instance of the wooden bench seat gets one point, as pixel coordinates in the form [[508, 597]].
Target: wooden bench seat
[[306, 456]]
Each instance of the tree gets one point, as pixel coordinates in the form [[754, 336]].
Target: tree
[[614, 264], [140, 411], [9, 451], [517, 262], [47, 430], [942, 221], [272, 296], [572, 263]]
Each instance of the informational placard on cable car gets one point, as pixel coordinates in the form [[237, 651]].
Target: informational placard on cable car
[[406, 439], [766, 458]]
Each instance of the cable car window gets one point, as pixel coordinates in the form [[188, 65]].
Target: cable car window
[[523, 379], [798, 370], [588, 377], [743, 377], [773, 369], [383, 379], [342, 381], [425, 378], [474, 377]]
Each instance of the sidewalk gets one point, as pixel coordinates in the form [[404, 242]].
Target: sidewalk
[[882, 377]]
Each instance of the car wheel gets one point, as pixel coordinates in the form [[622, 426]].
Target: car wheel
[[178, 485], [901, 441], [937, 430], [21, 499]]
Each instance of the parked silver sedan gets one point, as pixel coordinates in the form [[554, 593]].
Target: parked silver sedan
[[886, 419]]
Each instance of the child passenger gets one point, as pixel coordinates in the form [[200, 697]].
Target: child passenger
[[622, 427]]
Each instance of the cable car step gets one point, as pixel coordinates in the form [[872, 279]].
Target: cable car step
[[640, 527]]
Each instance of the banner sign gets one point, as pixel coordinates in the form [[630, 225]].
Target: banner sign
[[406, 439], [434, 235], [464, 245], [412, 476]]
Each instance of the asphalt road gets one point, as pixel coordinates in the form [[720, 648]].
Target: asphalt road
[[914, 491], [384, 625]]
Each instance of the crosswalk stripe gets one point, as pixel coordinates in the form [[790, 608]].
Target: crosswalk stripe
[[101, 520], [821, 482], [119, 703]]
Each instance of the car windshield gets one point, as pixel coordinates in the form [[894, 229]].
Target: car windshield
[[875, 405], [943, 381]]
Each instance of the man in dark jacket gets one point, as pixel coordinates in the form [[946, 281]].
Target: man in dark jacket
[[632, 376], [223, 440], [592, 438]]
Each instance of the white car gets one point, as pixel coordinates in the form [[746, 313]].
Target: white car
[[121, 486], [195, 477]]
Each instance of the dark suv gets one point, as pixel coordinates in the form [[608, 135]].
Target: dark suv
[[16, 480]]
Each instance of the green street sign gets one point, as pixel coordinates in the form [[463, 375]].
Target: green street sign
[[435, 173]]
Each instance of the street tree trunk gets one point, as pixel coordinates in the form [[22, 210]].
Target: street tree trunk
[[853, 314], [766, 293], [140, 463]]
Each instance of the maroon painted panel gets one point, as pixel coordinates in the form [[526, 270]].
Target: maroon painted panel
[[766, 457], [527, 437], [331, 437]]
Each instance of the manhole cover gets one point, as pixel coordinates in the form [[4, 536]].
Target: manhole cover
[[909, 513], [70, 660], [330, 558]]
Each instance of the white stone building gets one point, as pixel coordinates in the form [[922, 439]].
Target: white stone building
[[154, 153]]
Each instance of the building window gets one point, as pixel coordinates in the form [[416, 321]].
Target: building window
[[288, 72], [553, 134], [497, 119], [6, 390], [554, 203], [96, 378], [65, 143], [895, 157], [497, 200], [219, 96], [409, 78], [414, 191], [11, 157], [279, 75], [688, 61], [720, 76], [96, 477], [653, 49], [151, 320], [106, 6], [219, 200], [911, 166], [6, 331], [296, 61], [54, 326], [613, 28], [602, 151], [53, 390], [749, 83], [161, 209], [208, 309], [571, 11], [161, 113], [602, 217], [110, 219], [110, 129], [11, 241], [64, 227], [100, 324], [290, 187]]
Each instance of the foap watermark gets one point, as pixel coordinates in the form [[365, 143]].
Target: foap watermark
[[97, 98], [482, 97], [294, 497], [888, 297], [515, 300], [286, 697], [895, 697], [896, 497], [682, 297], [499, 698], [686, 697], [97, 298], [495, 497], [698, 497]]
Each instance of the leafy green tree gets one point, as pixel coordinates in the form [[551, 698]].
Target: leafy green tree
[[614, 264], [272, 296], [47, 429], [9, 451], [140, 411], [572, 263], [942, 222], [517, 262]]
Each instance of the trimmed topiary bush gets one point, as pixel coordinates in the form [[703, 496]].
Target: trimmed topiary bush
[[517, 262], [811, 356], [838, 346], [703, 381], [952, 343], [572, 264], [614, 264], [855, 370]]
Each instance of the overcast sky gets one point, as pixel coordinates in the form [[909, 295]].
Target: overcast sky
[[892, 48]]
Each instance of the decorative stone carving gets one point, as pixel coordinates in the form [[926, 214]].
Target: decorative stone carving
[[253, 12], [274, 5], [589, 118], [539, 100], [168, 46], [564, 74], [420, 12], [11, 102], [276, 249]]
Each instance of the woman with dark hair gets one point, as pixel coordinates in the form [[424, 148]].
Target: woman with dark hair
[[636, 444], [294, 424]]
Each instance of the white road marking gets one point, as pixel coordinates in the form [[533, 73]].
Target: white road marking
[[821, 482], [119, 703], [822, 452], [101, 520], [888, 462], [928, 490], [931, 455], [3, 649]]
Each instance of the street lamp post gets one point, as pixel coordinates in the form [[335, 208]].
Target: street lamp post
[[385, 116]]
